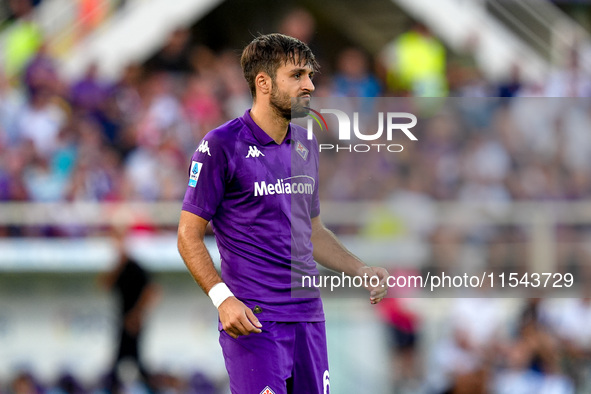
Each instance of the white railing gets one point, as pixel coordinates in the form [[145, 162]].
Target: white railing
[[537, 219]]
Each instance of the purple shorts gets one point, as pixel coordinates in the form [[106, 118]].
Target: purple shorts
[[285, 358]]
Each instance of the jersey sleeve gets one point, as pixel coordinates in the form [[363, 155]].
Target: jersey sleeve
[[208, 175], [315, 203]]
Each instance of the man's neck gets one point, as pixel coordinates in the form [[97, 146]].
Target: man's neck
[[272, 124]]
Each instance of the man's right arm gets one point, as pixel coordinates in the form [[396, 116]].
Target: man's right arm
[[236, 318]]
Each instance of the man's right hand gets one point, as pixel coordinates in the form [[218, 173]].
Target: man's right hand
[[237, 319]]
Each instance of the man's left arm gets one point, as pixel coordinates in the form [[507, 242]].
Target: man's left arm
[[332, 254]]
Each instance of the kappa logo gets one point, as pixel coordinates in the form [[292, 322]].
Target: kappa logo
[[254, 152], [204, 148], [267, 390], [302, 150]]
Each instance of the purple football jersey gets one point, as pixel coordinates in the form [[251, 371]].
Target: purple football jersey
[[260, 197]]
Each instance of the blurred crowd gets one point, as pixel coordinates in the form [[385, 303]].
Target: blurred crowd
[[540, 346], [25, 382], [492, 345], [131, 139]]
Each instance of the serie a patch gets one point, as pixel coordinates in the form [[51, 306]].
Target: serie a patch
[[195, 171]]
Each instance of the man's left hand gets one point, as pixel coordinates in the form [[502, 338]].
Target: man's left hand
[[376, 294]]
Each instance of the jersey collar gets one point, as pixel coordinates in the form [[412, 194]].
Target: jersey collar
[[260, 135]]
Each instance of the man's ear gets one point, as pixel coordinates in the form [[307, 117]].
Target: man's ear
[[263, 83]]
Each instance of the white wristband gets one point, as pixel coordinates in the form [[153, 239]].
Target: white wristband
[[218, 294]]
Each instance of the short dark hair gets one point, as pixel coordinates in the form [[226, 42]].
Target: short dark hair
[[267, 52]]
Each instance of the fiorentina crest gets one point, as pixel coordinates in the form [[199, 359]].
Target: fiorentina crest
[[302, 150]]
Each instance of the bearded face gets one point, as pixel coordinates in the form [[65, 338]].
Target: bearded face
[[281, 102]]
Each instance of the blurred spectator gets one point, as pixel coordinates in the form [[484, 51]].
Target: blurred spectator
[[530, 361], [151, 173], [352, 77], [574, 143], [299, 23], [511, 86], [464, 75], [461, 361], [141, 171], [485, 163], [136, 293], [111, 120], [13, 163], [200, 103], [4, 13], [23, 38], [569, 80], [88, 94], [479, 320], [40, 122], [91, 13], [456, 368], [126, 94], [517, 378], [161, 112], [41, 73], [11, 101], [15, 12], [89, 164], [408, 210], [416, 64], [537, 134], [42, 183], [440, 153], [236, 97], [403, 331], [24, 383], [571, 327], [67, 384], [174, 56], [204, 62], [156, 148], [200, 383], [473, 85]]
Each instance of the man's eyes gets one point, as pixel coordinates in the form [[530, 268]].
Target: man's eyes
[[299, 75]]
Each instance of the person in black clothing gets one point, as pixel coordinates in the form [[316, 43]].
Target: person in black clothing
[[135, 293]]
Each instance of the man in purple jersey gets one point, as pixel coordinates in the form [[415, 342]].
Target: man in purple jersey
[[256, 179]]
